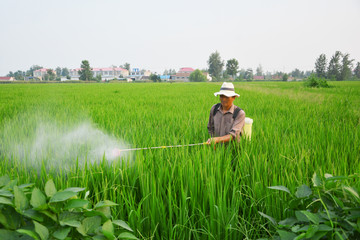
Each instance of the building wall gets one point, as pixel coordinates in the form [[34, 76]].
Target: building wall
[[105, 73], [7, 79], [137, 74]]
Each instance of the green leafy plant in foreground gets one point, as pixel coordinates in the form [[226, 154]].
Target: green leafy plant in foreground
[[328, 210], [26, 212]]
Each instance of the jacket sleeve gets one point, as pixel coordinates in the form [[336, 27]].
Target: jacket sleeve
[[238, 126], [210, 126]]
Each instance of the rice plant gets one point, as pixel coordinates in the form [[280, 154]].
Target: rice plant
[[180, 193]]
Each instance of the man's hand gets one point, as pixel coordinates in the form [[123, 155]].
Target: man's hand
[[216, 140]]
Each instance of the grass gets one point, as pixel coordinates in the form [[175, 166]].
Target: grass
[[189, 193]]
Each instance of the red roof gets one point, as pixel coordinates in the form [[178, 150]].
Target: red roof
[[5, 78], [103, 69], [186, 69], [120, 69]]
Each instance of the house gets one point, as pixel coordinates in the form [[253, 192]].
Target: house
[[137, 74], [110, 73], [40, 73], [105, 73], [7, 78], [276, 77], [259, 78], [183, 74], [74, 73]]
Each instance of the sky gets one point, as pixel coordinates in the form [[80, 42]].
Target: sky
[[156, 35]]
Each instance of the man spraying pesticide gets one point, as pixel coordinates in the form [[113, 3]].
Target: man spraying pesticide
[[226, 122]]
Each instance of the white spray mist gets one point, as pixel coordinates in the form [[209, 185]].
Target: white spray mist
[[60, 146]]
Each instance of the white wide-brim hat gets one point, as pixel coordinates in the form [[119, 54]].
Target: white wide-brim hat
[[228, 90]]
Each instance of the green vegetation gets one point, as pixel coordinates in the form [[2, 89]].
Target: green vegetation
[[215, 65], [197, 76], [232, 67], [50, 214], [285, 77], [328, 210], [316, 82], [192, 192], [155, 78], [340, 67], [85, 72]]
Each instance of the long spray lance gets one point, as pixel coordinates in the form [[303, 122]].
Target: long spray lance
[[117, 152]]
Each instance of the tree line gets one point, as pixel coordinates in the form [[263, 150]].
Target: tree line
[[50, 75], [220, 71], [339, 67], [55, 75]]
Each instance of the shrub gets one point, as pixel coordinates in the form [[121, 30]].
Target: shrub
[[27, 213], [285, 77], [330, 210], [314, 81], [197, 76], [98, 78], [155, 78]]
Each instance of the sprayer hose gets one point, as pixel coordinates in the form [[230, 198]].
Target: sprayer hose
[[174, 146]]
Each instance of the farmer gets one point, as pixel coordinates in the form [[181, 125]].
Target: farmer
[[226, 121]]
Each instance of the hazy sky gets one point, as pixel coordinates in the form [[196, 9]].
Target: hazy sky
[[162, 34]]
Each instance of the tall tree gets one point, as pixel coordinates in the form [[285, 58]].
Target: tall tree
[[215, 65], [19, 75], [155, 78], [259, 70], [85, 72], [357, 70], [308, 73], [320, 66], [65, 72], [346, 67], [50, 75], [242, 73], [249, 75], [296, 73], [169, 72], [33, 68], [232, 67], [58, 71], [285, 77], [334, 69], [126, 66], [197, 76], [268, 75]]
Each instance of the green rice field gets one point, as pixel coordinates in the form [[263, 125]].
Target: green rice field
[[50, 131]]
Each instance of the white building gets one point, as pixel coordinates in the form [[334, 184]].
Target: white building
[[105, 73], [40, 73], [137, 74], [183, 74]]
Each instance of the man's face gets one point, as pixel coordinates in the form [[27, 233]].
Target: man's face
[[226, 102]]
